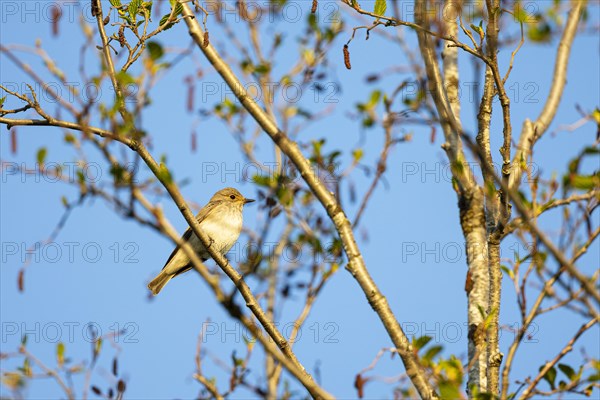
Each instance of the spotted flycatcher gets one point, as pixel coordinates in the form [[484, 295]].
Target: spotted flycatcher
[[221, 219]]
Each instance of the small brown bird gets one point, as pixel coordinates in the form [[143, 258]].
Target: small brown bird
[[221, 219]]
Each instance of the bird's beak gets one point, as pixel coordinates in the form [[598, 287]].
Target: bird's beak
[[246, 201]]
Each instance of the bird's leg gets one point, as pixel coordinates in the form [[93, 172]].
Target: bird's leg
[[210, 241]]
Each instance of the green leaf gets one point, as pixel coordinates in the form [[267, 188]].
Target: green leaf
[[164, 174], [519, 13], [550, 377], [540, 32], [134, 7], [60, 354], [312, 22], [482, 311], [263, 180], [262, 68], [124, 78], [380, 7], [41, 155], [449, 390], [432, 352], [508, 271], [357, 155], [97, 347], [562, 385], [420, 342], [178, 7], [164, 20], [27, 368], [374, 99], [2, 100], [595, 114], [584, 182], [115, 3], [368, 122], [479, 30], [568, 371], [155, 50], [147, 7], [317, 145]]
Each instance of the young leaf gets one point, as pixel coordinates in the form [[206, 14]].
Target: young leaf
[[380, 7], [27, 368], [134, 7], [421, 342], [550, 377], [508, 271], [568, 371], [155, 50], [60, 354], [357, 155], [432, 352], [164, 20], [41, 155], [374, 99]]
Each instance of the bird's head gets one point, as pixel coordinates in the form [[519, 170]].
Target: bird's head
[[232, 196]]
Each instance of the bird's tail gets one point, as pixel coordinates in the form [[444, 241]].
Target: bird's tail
[[159, 282]]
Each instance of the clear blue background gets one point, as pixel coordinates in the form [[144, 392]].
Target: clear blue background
[[416, 209]]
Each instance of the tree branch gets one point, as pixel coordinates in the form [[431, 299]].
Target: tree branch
[[289, 360], [532, 131], [528, 392], [356, 264]]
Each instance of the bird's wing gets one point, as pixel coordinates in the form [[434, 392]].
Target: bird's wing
[[205, 211], [186, 237], [188, 233]]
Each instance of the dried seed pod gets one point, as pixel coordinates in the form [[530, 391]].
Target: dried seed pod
[[205, 42], [95, 9], [347, 57], [122, 36], [13, 140], [106, 20], [56, 14], [314, 6]]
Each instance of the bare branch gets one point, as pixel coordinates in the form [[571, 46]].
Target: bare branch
[[532, 131], [289, 360], [356, 264], [529, 391]]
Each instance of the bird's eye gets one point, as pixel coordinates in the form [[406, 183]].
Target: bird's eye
[[232, 197]]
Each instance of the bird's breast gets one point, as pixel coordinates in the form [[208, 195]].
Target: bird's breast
[[224, 229]]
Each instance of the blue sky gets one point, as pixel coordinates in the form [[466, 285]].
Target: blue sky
[[97, 269]]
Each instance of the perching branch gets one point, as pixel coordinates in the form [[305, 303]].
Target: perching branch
[[356, 264], [288, 358]]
